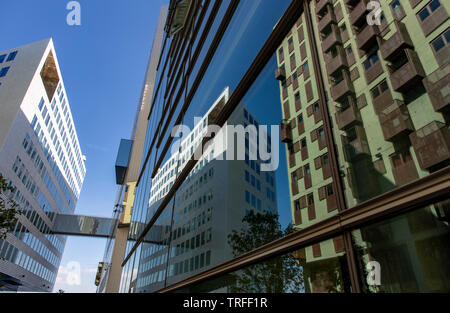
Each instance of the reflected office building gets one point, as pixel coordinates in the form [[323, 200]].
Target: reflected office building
[[362, 184], [41, 159], [210, 203]]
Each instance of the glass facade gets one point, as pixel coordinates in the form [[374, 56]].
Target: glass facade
[[351, 139]]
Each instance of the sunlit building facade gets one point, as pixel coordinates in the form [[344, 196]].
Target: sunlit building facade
[[41, 158]]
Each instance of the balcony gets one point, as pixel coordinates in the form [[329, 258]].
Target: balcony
[[334, 38], [399, 41], [381, 102], [408, 74], [285, 132], [338, 62], [373, 72], [432, 145], [326, 20], [348, 117], [437, 85], [367, 37], [358, 14], [356, 146], [343, 88], [320, 6], [280, 74], [396, 122], [403, 168]]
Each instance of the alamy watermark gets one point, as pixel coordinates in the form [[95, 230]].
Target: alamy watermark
[[234, 141], [374, 16], [373, 273], [74, 16]]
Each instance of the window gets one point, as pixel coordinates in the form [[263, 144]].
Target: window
[[297, 96], [307, 169], [4, 71], [280, 53], [425, 13], [438, 44], [303, 143], [41, 104], [310, 199], [12, 56], [330, 189], [2, 58], [247, 196], [371, 60], [434, 5], [441, 41]]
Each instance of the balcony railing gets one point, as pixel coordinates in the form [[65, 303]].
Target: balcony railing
[[348, 117], [285, 132], [326, 20], [381, 102], [366, 38], [320, 6], [395, 121], [332, 39], [338, 62], [408, 74], [280, 74], [359, 12], [431, 144], [437, 85], [357, 147], [343, 88], [399, 41]]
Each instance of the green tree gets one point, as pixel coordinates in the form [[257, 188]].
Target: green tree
[[8, 209], [276, 275]]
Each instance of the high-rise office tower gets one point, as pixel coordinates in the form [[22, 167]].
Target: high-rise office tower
[[362, 96], [41, 158]]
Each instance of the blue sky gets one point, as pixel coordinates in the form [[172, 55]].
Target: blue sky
[[103, 63]]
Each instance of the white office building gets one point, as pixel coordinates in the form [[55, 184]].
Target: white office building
[[210, 204], [41, 158]]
